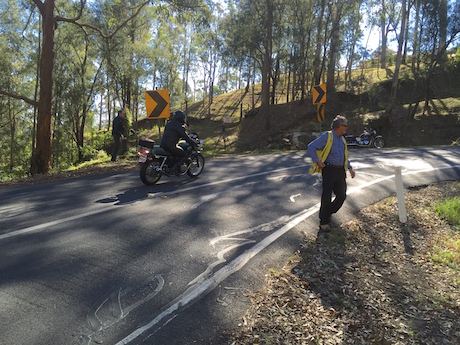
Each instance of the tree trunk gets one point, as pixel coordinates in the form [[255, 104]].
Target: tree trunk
[[317, 62], [383, 51], [109, 106], [100, 111], [12, 121], [275, 79], [442, 33], [36, 89], [406, 35], [334, 50], [415, 46], [394, 86], [267, 64], [288, 88], [42, 158]]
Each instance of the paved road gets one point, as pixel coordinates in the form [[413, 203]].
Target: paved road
[[105, 259]]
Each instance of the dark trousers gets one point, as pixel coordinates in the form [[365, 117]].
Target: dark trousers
[[178, 152], [116, 147], [333, 182]]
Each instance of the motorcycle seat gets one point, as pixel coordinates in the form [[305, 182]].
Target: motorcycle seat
[[161, 151]]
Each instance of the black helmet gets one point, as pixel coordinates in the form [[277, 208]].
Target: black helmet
[[180, 116]]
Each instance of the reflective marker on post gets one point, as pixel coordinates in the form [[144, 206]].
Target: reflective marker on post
[[400, 195]]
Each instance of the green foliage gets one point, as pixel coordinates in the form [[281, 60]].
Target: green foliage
[[8, 174], [176, 47], [447, 249], [391, 58], [99, 156], [447, 252], [450, 210], [378, 95]]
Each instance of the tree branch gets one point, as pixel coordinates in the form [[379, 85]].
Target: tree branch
[[40, 5], [23, 98], [72, 20], [99, 31]]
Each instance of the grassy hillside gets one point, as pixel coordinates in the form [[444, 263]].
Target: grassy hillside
[[236, 115]]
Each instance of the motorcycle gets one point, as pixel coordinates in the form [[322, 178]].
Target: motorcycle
[[368, 138], [156, 161]]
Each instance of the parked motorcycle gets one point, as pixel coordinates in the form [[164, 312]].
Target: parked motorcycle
[[156, 161], [368, 138]]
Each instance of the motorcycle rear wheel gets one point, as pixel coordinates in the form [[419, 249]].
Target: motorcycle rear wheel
[[149, 173], [197, 165], [379, 142]]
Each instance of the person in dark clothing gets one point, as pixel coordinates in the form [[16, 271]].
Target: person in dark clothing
[[175, 131], [118, 129]]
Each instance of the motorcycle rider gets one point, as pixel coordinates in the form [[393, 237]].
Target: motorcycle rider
[[175, 131]]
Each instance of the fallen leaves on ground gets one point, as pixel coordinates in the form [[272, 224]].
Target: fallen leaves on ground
[[369, 281]]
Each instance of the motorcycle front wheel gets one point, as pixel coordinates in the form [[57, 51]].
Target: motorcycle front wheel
[[197, 165], [149, 172], [379, 142]]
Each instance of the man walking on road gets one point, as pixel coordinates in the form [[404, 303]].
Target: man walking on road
[[329, 155], [118, 129]]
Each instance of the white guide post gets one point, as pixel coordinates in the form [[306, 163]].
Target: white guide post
[[400, 195]]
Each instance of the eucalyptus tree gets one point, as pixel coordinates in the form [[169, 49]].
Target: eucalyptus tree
[[210, 51], [319, 59], [75, 71], [18, 55], [237, 49], [50, 23], [230, 70], [336, 8], [386, 14], [351, 37], [281, 45], [434, 37], [260, 19], [395, 82], [302, 33], [192, 42]]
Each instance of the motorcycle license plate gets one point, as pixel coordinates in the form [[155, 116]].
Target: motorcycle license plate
[[142, 158]]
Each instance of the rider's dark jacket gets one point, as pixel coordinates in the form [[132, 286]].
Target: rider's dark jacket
[[174, 131]]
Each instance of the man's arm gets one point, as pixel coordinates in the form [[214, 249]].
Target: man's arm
[[183, 134], [317, 144]]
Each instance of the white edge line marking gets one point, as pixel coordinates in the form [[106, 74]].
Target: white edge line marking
[[153, 195], [150, 195], [83, 215], [193, 294]]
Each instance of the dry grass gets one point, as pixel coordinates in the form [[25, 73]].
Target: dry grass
[[370, 281]]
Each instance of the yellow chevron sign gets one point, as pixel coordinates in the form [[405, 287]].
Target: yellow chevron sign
[[157, 104], [320, 113], [319, 94]]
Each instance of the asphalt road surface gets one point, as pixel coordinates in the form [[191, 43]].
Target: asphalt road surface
[[106, 260]]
